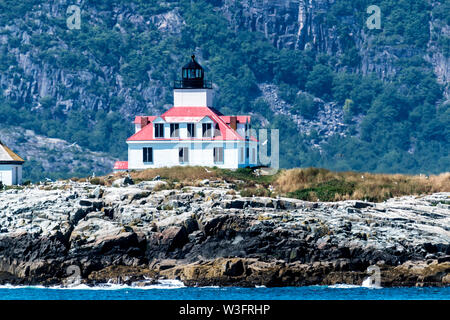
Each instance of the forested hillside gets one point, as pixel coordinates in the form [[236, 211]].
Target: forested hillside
[[343, 97]]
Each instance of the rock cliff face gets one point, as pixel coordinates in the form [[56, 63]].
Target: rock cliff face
[[438, 55], [206, 235], [35, 72], [303, 25], [292, 24]]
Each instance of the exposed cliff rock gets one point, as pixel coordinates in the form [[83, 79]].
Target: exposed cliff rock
[[205, 235], [304, 25], [35, 71], [290, 24], [437, 54]]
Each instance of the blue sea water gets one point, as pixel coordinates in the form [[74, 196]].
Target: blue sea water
[[174, 291]]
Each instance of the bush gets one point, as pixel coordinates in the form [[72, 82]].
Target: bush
[[306, 107], [257, 192], [320, 81], [325, 191], [97, 181]]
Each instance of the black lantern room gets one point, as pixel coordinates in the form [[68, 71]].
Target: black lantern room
[[192, 76]]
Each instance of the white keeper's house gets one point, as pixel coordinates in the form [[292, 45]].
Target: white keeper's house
[[192, 132], [10, 166]]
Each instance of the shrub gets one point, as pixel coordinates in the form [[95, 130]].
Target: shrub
[[325, 191], [97, 181], [306, 107], [257, 192], [320, 81]]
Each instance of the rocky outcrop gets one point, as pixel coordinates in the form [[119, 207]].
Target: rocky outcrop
[[207, 236]]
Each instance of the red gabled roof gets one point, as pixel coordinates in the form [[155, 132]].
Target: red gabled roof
[[121, 165], [180, 114]]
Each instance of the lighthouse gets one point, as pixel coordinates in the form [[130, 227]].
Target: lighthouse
[[192, 132]]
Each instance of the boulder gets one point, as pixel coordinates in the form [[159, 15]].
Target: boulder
[[174, 237], [98, 192], [128, 181], [118, 183]]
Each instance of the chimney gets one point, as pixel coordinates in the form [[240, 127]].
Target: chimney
[[233, 122], [144, 122]]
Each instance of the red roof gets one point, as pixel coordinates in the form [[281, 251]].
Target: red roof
[[226, 133], [121, 165]]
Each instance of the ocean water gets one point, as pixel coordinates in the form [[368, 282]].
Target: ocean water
[[173, 290]]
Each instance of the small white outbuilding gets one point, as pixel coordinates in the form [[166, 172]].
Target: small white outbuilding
[[10, 166]]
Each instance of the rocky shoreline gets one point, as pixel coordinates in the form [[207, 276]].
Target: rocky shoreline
[[69, 231]]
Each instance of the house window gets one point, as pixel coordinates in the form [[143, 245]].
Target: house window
[[218, 155], [206, 130], [174, 130], [191, 130], [147, 155], [247, 152], [159, 130], [183, 155]]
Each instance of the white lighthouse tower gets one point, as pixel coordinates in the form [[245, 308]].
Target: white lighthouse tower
[[193, 89]]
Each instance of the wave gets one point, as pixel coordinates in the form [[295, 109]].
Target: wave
[[367, 284], [162, 284], [344, 286]]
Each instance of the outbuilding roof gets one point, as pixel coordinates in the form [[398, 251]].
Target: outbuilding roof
[[8, 156]]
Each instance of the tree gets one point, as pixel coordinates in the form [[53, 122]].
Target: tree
[[320, 81]]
